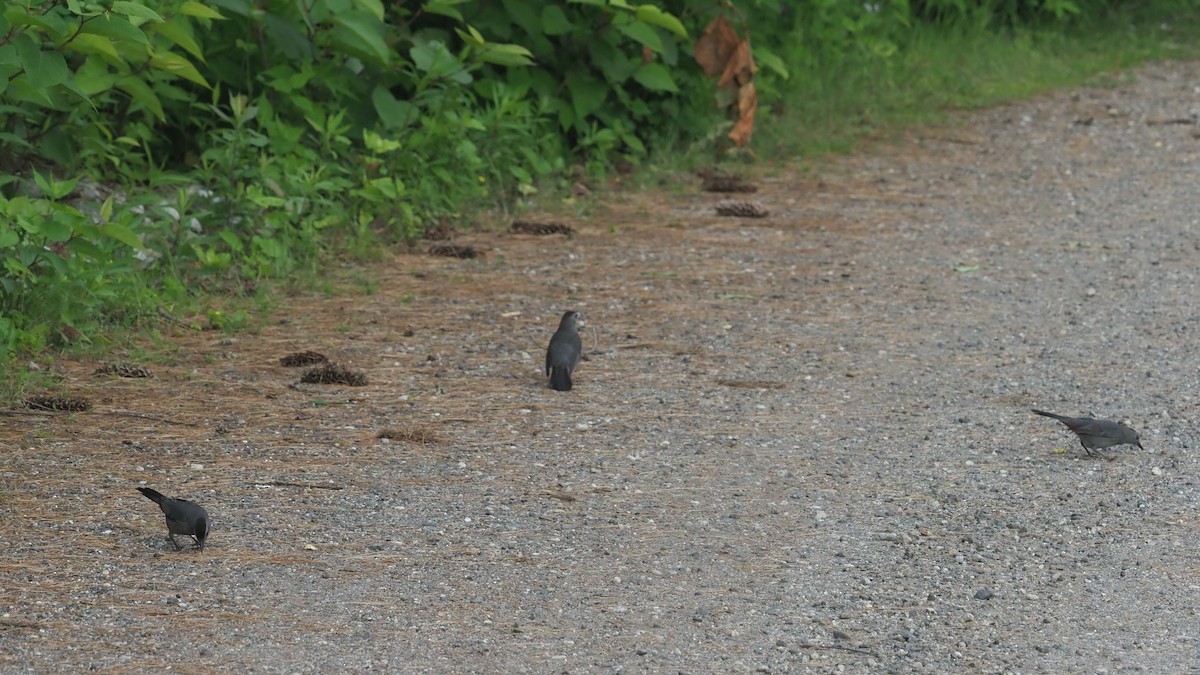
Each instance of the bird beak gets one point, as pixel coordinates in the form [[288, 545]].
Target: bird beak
[[1140, 446]]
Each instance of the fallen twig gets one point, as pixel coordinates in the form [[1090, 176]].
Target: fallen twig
[[283, 483], [156, 418], [856, 650]]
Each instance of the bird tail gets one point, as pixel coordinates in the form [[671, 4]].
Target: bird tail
[[153, 495], [1043, 413], [560, 379]]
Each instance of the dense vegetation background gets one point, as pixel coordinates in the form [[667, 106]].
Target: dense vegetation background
[[159, 156]]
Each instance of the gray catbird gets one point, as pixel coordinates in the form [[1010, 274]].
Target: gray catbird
[[563, 353], [1096, 434], [183, 517]]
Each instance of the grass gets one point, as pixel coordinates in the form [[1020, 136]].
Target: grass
[[833, 106]]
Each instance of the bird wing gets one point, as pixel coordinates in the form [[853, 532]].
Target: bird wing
[[1100, 429]]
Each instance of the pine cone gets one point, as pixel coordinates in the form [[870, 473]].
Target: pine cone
[[738, 209], [66, 403], [454, 251], [527, 227], [334, 374], [123, 370], [306, 358]]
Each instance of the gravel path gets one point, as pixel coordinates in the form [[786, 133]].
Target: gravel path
[[798, 444]]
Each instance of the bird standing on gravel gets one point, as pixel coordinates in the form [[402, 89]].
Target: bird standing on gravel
[[183, 517], [1096, 434], [563, 353]]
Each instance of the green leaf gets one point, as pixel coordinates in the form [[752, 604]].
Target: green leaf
[[43, 69], [768, 59], [179, 31], [84, 247], [86, 43], [641, 33], [142, 94], [378, 145], [361, 34], [54, 229], [119, 30], [55, 26], [71, 86], [199, 10], [8, 236], [10, 58], [43, 184], [239, 7], [613, 57], [291, 40], [471, 37], [22, 88], [587, 93], [372, 7], [524, 14], [443, 9], [655, 16], [433, 59], [231, 240], [94, 76], [393, 113], [506, 55], [555, 21], [178, 66], [133, 9], [122, 234], [655, 77]]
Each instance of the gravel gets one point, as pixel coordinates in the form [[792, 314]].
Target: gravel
[[800, 443]]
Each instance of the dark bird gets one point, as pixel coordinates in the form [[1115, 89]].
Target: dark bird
[[183, 517], [1096, 434], [563, 353]]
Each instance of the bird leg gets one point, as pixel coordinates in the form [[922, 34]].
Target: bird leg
[[171, 536]]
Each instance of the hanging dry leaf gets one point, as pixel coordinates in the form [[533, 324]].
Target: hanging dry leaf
[[720, 51], [740, 68], [715, 46], [747, 105]]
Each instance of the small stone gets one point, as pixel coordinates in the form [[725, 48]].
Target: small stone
[[983, 594]]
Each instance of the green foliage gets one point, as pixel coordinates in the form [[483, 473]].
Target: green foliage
[[62, 269], [83, 79], [608, 73]]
